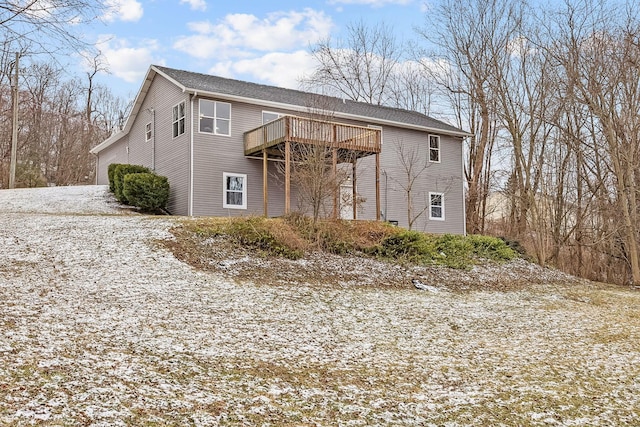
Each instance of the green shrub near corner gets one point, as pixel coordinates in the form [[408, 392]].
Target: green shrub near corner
[[118, 179], [110, 173], [147, 191]]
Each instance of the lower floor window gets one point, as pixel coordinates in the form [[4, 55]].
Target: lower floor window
[[436, 206], [235, 191]]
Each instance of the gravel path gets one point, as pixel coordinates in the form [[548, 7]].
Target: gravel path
[[101, 326]]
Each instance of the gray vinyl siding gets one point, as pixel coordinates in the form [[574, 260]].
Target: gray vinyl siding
[[217, 154], [116, 153], [444, 177], [171, 155]]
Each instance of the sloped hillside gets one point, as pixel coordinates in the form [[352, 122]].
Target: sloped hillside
[[101, 325]]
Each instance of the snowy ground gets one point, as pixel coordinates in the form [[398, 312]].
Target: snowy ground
[[101, 326]]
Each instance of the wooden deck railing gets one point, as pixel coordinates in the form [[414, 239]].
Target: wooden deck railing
[[310, 131]]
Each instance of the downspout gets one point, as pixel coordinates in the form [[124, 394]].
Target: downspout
[[464, 196], [153, 139], [191, 145], [97, 168]]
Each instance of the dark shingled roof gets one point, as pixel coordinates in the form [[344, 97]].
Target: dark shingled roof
[[213, 84]]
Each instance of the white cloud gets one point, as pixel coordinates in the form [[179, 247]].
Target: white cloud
[[195, 4], [237, 34], [276, 68], [373, 3], [123, 10], [127, 62]]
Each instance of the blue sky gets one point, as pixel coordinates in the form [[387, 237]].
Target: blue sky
[[254, 40]]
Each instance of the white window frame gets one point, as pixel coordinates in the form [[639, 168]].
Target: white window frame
[[176, 119], [148, 132], [270, 112], [441, 206], [225, 190], [215, 117], [436, 150]]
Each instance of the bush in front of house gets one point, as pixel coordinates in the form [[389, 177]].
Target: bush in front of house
[[146, 190], [119, 173], [111, 170]]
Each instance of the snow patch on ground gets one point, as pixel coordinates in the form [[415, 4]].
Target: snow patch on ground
[[100, 326], [83, 199]]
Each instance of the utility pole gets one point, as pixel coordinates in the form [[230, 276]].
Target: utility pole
[[14, 137]]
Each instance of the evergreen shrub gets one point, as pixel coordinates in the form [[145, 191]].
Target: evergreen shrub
[[146, 190], [110, 173], [118, 179]]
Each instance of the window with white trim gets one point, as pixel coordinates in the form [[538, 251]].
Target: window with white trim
[[178, 119], [235, 191], [436, 206], [215, 117], [147, 132], [434, 148], [268, 116]]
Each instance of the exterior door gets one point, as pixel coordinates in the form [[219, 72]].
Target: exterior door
[[346, 202]]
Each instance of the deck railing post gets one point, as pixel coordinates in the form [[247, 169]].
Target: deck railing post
[[354, 189], [378, 187], [265, 177], [336, 189], [287, 176]]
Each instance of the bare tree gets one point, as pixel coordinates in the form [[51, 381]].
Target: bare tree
[[359, 67], [413, 163], [313, 164], [48, 26], [411, 88], [597, 46], [467, 35], [55, 134]]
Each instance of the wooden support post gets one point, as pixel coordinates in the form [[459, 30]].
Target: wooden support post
[[336, 184], [377, 186], [287, 177], [265, 192], [354, 189]]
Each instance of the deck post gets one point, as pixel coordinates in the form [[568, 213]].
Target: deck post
[[354, 189], [265, 192], [377, 186], [336, 189], [287, 177]]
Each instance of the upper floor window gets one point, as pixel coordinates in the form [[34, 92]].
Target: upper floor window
[[147, 132], [178, 119], [434, 148], [268, 116], [215, 117], [436, 206]]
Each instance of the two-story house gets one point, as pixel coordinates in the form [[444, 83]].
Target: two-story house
[[225, 146]]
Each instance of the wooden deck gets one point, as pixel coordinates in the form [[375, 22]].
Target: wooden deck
[[350, 141], [279, 138]]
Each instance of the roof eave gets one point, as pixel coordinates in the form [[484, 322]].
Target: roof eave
[[107, 142], [274, 104], [135, 109]]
